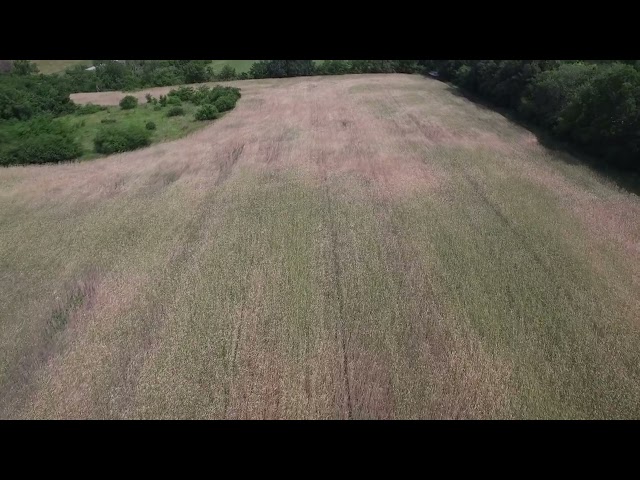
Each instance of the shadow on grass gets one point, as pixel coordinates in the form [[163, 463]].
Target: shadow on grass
[[565, 152]]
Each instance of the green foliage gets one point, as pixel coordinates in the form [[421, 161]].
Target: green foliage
[[24, 67], [206, 95], [129, 102], [121, 138], [136, 74], [282, 68], [79, 79], [604, 115], [89, 108], [44, 148], [259, 70], [294, 68], [185, 94], [150, 126], [175, 111], [334, 67], [594, 105], [26, 96], [194, 71], [174, 100], [551, 91], [207, 112], [41, 140], [225, 103], [227, 73], [163, 100]]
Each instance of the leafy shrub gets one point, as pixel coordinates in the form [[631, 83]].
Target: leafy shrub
[[175, 111], [200, 95], [551, 91], [108, 120], [26, 96], [163, 100], [150, 126], [604, 116], [185, 94], [157, 108], [227, 73], [173, 100], [282, 68], [334, 67], [210, 95], [121, 138], [225, 103], [24, 67], [43, 148], [129, 102], [89, 108], [207, 112], [40, 140]]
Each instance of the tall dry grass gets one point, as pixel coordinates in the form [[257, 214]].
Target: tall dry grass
[[366, 246]]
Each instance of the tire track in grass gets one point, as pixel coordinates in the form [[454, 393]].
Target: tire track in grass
[[228, 163], [337, 276]]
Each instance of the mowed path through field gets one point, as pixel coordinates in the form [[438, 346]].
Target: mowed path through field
[[367, 246]]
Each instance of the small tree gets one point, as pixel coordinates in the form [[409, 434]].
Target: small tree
[[207, 112], [225, 103], [227, 73], [114, 138], [175, 111], [24, 67], [129, 102]]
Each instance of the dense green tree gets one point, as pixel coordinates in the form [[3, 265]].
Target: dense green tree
[[227, 73], [604, 115], [24, 67]]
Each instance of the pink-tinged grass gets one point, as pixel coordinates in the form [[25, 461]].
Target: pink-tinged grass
[[366, 246]]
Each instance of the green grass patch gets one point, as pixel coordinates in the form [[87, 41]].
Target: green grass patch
[[167, 128], [57, 66]]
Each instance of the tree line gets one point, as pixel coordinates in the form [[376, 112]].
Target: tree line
[[592, 105]]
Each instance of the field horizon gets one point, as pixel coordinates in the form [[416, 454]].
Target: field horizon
[[349, 247]]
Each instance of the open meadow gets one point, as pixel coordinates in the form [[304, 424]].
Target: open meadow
[[361, 246]]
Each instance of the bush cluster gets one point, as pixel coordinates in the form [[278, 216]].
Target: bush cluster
[[129, 102], [41, 140], [121, 138]]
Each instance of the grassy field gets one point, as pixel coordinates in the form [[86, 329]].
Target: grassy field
[[167, 128], [240, 65], [365, 246], [56, 66]]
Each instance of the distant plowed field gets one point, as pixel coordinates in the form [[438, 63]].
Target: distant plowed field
[[367, 246]]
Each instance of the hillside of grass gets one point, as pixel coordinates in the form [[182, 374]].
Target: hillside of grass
[[335, 247]]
